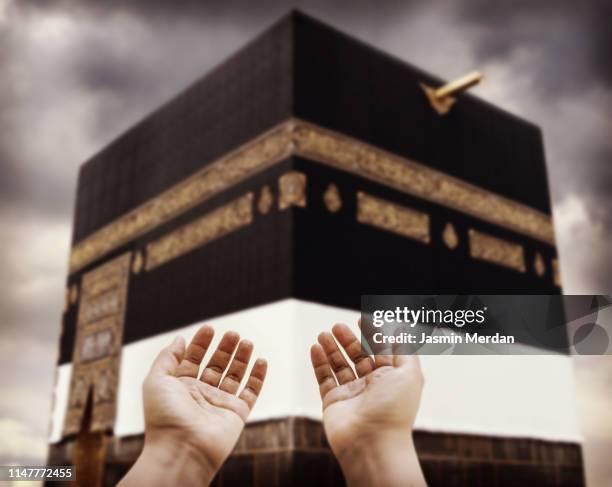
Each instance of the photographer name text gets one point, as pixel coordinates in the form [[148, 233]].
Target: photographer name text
[[452, 338]]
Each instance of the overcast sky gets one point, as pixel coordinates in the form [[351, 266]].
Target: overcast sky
[[74, 75]]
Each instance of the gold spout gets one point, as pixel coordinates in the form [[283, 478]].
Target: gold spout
[[442, 98]]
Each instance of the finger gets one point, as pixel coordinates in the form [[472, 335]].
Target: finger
[[322, 369], [367, 333], [352, 346], [235, 373], [379, 352], [397, 351], [342, 370], [169, 358], [251, 390], [220, 359], [190, 365], [384, 356], [364, 339]]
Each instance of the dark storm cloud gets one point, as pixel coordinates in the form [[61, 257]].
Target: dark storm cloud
[[103, 68], [237, 8], [10, 176], [581, 30], [583, 33], [599, 25], [574, 35], [603, 182]]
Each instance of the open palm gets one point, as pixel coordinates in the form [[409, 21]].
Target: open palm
[[381, 393], [203, 410]]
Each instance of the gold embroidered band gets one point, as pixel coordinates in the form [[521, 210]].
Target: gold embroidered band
[[393, 218], [326, 147], [211, 226], [496, 250], [410, 177]]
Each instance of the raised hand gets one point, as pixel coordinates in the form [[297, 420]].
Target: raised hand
[[197, 419], [369, 409]]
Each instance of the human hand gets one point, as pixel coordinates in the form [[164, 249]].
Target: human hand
[[369, 411], [192, 423]]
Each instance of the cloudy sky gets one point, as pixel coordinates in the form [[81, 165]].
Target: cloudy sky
[[74, 75]]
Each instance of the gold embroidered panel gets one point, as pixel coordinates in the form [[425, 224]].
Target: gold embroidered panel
[[266, 200], [392, 217], [450, 237], [326, 147], [211, 226], [292, 190], [496, 250], [332, 198], [538, 265], [97, 348]]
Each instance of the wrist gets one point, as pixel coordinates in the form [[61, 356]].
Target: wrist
[[166, 460], [385, 458], [375, 445]]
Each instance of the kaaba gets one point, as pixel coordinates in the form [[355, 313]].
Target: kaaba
[[306, 170]]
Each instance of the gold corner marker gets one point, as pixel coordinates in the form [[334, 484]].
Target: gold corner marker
[[442, 98]]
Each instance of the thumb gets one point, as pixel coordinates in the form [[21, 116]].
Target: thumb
[[169, 358]]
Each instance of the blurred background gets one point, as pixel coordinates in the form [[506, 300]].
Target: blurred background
[[74, 75]]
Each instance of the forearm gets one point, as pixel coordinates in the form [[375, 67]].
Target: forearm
[[163, 463], [382, 460]]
